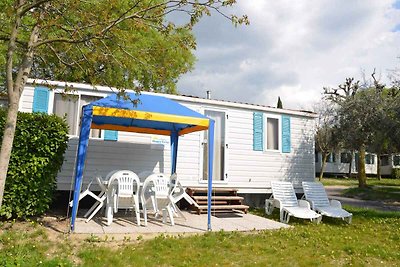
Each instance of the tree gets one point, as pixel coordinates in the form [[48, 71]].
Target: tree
[[363, 118], [352, 120], [325, 133], [279, 104], [119, 43], [384, 120], [393, 111]]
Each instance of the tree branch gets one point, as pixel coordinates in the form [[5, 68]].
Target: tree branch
[[10, 54], [27, 61], [22, 10], [169, 6]]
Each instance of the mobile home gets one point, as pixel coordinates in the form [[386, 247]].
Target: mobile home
[[254, 144], [338, 163], [388, 163]]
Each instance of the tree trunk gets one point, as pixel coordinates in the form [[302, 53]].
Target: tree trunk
[[324, 158], [15, 86], [8, 138], [351, 163], [378, 166], [362, 176]]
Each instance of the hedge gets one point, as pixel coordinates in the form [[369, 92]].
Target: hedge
[[396, 173], [37, 156]]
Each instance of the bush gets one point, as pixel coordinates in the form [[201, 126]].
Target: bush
[[396, 173], [37, 156]]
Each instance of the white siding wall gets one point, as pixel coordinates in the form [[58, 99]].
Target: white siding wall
[[26, 100], [132, 151], [250, 171], [387, 170]]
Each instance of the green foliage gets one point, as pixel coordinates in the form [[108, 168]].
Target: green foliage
[[120, 43], [396, 173], [36, 158]]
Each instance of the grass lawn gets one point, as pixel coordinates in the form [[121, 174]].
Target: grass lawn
[[385, 189], [373, 239], [354, 181]]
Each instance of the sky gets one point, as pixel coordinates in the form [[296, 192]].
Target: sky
[[293, 49]]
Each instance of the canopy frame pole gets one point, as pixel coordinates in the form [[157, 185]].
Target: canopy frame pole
[[210, 171], [87, 116], [174, 150]]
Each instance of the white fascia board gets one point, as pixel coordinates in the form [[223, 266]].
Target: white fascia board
[[88, 87]]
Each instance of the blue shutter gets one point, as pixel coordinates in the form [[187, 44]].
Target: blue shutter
[[41, 100], [110, 135], [258, 131], [286, 143]]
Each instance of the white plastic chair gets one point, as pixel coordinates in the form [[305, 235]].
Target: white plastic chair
[[150, 201], [158, 186], [144, 174], [100, 198], [123, 193], [315, 193], [284, 198], [178, 192]]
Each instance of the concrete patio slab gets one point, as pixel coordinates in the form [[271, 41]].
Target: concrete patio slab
[[192, 223]]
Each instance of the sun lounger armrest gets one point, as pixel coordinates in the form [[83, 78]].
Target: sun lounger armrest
[[311, 204], [277, 203], [335, 203], [270, 204], [304, 204]]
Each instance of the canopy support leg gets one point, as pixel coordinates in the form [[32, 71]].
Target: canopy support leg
[[86, 121], [210, 171]]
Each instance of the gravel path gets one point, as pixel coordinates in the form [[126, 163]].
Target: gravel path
[[335, 192]]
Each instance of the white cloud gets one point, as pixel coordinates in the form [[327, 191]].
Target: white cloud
[[292, 49]]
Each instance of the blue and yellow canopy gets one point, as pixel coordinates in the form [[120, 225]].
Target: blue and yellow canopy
[[142, 114], [150, 114]]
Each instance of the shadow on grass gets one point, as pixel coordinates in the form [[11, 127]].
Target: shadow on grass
[[373, 214], [358, 213], [387, 193], [295, 221]]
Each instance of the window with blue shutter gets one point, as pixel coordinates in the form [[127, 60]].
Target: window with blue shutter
[[41, 100], [286, 142], [258, 131], [110, 135]]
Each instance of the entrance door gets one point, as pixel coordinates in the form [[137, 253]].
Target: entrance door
[[219, 146]]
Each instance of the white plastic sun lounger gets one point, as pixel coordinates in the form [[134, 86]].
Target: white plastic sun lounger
[[315, 193], [284, 198]]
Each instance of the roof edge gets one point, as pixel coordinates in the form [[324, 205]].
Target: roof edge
[[193, 99]]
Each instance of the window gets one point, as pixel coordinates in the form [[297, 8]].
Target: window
[[369, 159], [331, 158], [396, 160], [67, 106], [385, 160], [70, 106], [316, 156], [272, 133], [345, 157]]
